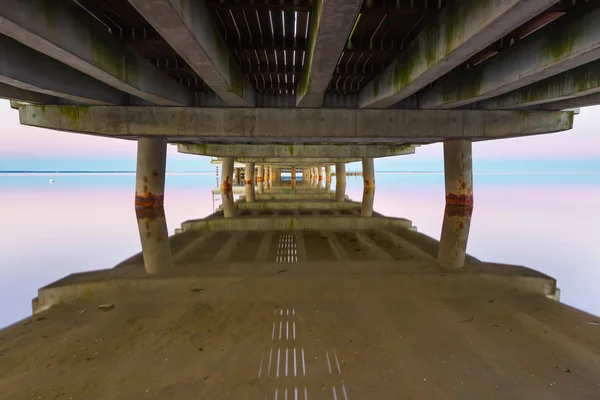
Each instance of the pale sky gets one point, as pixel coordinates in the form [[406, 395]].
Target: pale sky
[[28, 148]]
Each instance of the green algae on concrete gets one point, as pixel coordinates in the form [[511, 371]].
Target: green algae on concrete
[[312, 37], [110, 57], [559, 43], [73, 114]]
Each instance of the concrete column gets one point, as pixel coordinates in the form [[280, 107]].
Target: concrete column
[[226, 190], [454, 236], [327, 178], [249, 182], [458, 171], [369, 187], [154, 237], [340, 182], [293, 178], [150, 173], [237, 176], [259, 179]]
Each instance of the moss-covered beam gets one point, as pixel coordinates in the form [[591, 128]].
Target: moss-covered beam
[[461, 30], [188, 27], [295, 150], [570, 41], [331, 23], [40, 78], [294, 125], [64, 31], [578, 82]]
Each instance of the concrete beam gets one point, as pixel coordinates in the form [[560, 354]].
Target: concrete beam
[[188, 27], [331, 23], [577, 82], [462, 29], [567, 43], [584, 101], [299, 205], [263, 125], [64, 31], [9, 92], [26, 69], [295, 150], [295, 161]]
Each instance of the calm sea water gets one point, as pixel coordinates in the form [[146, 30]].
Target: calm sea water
[[85, 222]]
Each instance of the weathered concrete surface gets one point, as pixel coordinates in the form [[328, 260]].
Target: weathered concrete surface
[[299, 125], [154, 237], [150, 173], [368, 170], [27, 69], [12, 93], [293, 223], [575, 102], [569, 42], [331, 23], [298, 205], [289, 161], [226, 192], [454, 236], [300, 195], [294, 150], [458, 172], [578, 82], [461, 30], [65, 32], [189, 28]]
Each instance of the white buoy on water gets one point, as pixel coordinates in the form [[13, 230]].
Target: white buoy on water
[[51, 181]]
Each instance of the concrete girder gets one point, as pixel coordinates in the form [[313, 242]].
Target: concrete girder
[[64, 31], [295, 150], [331, 24], [247, 125], [27, 69], [461, 30], [188, 27], [567, 43], [12, 93], [296, 161], [575, 102], [578, 82]]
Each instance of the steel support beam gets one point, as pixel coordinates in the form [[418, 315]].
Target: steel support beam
[[64, 31], [262, 125], [461, 30], [29, 70], [188, 27], [331, 23], [295, 150], [567, 43]]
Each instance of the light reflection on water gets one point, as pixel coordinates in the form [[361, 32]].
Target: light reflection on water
[[87, 222]]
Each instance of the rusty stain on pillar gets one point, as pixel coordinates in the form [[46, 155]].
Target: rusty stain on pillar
[[340, 182], [368, 187], [150, 173], [327, 178], [226, 188], [458, 172], [293, 178], [454, 236], [154, 237], [237, 176], [249, 182]]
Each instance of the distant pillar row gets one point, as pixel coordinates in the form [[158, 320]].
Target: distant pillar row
[[340, 182], [226, 188], [259, 179], [249, 182], [369, 187], [238, 176], [150, 173], [327, 178]]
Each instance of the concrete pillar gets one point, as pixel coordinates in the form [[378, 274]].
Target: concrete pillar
[[293, 178], [154, 237], [458, 171], [268, 177], [369, 187], [327, 178], [226, 189], [340, 182], [249, 182], [238, 176], [150, 173], [259, 179], [454, 236]]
